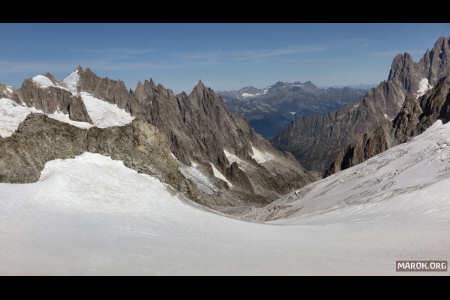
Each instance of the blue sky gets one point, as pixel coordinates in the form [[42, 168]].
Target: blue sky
[[223, 56]]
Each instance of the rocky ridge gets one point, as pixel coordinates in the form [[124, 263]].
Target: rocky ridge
[[317, 140], [416, 115], [269, 110], [240, 167]]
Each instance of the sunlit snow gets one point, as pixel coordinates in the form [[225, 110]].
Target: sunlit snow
[[104, 114], [260, 156], [12, 114], [424, 86], [93, 216]]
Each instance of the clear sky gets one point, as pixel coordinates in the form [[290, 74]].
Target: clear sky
[[223, 56]]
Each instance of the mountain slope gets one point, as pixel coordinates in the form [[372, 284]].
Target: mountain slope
[[91, 215], [416, 115], [213, 149], [414, 174], [271, 109], [316, 140]]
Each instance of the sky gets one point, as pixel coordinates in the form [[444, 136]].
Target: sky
[[225, 56]]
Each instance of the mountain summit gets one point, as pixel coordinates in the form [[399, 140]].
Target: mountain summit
[[270, 109], [316, 140], [215, 157]]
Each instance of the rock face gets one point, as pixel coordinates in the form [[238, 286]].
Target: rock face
[[199, 128], [416, 115], [51, 99], [40, 139], [271, 109], [317, 140], [196, 131]]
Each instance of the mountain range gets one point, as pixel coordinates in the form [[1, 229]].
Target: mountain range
[[317, 140], [98, 179], [270, 109], [190, 142]]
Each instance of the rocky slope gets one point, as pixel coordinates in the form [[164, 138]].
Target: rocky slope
[[317, 140], [213, 149], [416, 115], [269, 110]]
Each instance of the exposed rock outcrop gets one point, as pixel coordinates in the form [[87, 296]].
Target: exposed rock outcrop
[[51, 99], [317, 140], [196, 128], [40, 139], [199, 127], [414, 118]]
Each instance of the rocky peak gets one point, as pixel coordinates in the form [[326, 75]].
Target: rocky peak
[[435, 63]]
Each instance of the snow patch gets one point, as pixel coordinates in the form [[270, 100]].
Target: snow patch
[[245, 95], [202, 181], [104, 114], [232, 157], [71, 82], [219, 175], [424, 86], [44, 82], [261, 156]]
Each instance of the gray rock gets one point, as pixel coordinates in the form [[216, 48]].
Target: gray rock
[[414, 118], [317, 140]]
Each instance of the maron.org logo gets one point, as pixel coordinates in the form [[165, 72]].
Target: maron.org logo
[[421, 265]]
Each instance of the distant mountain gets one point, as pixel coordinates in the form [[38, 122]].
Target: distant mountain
[[270, 109], [317, 140]]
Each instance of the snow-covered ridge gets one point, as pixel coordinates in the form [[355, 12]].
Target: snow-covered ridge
[[44, 82]]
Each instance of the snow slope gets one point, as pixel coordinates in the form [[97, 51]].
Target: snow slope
[[407, 170], [44, 82], [104, 114], [12, 114], [92, 215]]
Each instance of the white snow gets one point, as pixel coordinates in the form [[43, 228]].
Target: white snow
[[424, 86], [92, 216], [232, 157], [407, 170], [245, 95], [12, 114], [44, 82], [62, 117], [202, 181], [219, 175], [261, 156], [71, 82], [104, 114]]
